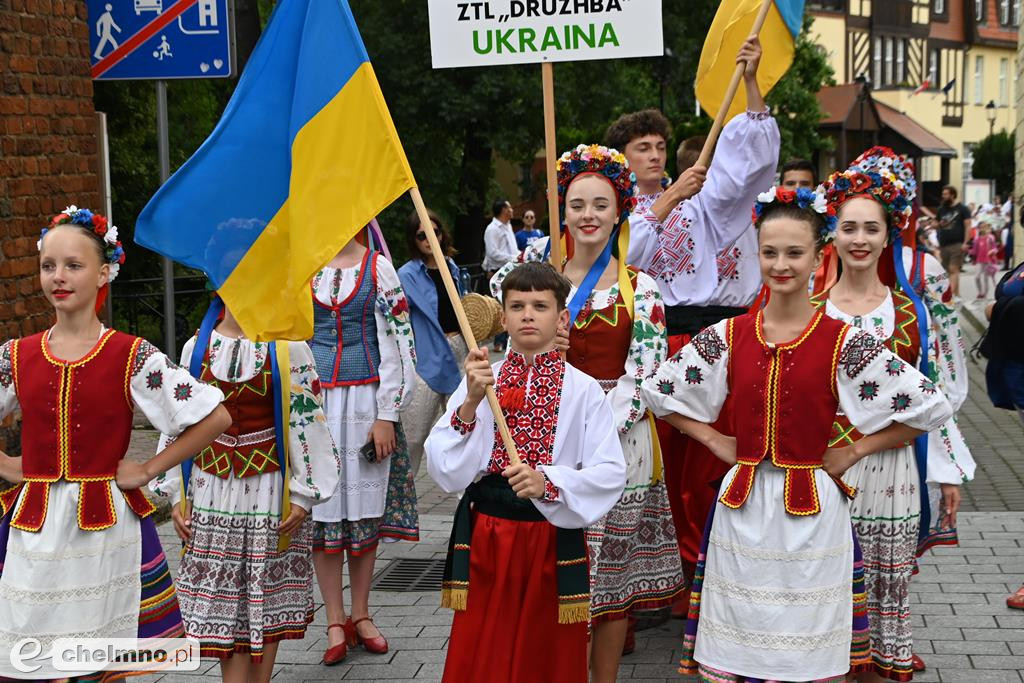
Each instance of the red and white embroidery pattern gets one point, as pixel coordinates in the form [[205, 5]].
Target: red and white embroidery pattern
[[533, 426], [729, 264], [675, 248]]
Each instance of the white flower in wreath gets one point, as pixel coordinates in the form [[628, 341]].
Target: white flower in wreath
[[767, 197], [39, 244], [111, 236], [820, 203], [115, 268], [70, 210], [884, 162]]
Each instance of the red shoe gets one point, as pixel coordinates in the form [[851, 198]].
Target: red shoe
[[377, 645], [1016, 601], [336, 654], [917, 664]]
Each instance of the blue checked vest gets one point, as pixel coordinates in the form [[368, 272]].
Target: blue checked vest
[[344, 339]]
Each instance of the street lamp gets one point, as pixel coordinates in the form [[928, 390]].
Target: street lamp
[[990, 114]]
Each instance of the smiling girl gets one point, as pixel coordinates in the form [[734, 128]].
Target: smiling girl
[[873, 201], [772, 598], [79, 553]]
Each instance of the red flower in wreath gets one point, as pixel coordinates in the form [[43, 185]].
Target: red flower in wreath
[[785, 196], [99, 224], [58, 218], [888, 193], [859, 182]]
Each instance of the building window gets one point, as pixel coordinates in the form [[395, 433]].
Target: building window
[[1004, 12], [888, 61], [876, 65], [979, 10], [1015, 8], [1004, 74], [933, 70], [939, 7], [979, 75], [901, 73]]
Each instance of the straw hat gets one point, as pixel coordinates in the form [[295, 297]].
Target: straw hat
[[483, 314]]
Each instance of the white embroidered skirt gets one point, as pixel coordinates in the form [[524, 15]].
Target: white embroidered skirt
[[776, 601], [62, 582], [362, 486]]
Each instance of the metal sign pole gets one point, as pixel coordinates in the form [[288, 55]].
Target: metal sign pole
[[164, 158]]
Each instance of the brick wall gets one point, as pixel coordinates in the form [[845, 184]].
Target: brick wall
[[47, 148]]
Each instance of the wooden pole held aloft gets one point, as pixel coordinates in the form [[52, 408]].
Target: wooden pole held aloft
[[548, 80]]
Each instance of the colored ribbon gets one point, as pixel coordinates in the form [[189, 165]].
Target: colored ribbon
[[921, 442]]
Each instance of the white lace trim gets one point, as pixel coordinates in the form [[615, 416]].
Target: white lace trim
[[46, 639], [28, 596], [62, 554], [767, 640], [716, 583], [779, 555]]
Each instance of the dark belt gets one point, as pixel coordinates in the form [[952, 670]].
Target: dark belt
[[690, 320]]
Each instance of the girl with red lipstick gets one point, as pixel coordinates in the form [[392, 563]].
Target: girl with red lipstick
[[79, 553], [617, 336], [873, 200], [772, 596]]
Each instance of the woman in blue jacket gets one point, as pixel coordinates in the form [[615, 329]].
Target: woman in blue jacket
[[440, 348]]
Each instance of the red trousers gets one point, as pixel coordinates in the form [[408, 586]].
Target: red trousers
[[691, 473], [510, 631]]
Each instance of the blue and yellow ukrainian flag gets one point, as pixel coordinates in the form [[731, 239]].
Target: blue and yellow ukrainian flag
[[304, 156], [731, 26]]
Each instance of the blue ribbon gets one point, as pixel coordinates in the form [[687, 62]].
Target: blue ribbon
[[921, 442], [592, 277], [195, 368]]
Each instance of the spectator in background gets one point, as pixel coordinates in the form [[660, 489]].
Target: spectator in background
[[499, 248], [529, 234], [797, 173], [983, 252], [440, 349], [954, 229]]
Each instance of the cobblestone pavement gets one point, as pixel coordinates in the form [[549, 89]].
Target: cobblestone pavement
[[962, 627]]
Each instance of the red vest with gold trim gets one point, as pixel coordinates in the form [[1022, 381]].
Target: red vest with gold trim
[[785, 395], [76, 425], [905, 342], [599, 340], [249, 446]]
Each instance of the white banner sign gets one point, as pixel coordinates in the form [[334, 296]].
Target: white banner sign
[[489, 32]]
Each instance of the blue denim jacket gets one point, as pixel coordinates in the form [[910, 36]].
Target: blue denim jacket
[[435, 361]]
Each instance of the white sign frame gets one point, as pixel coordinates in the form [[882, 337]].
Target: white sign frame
[[496, 32]]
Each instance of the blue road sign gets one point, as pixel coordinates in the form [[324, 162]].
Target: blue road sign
[[160, 39]]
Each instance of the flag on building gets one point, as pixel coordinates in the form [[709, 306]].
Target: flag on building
[[949, 86], [303, 157], [921, 88], [731, 26]]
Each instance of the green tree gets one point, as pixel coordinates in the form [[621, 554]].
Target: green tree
[[994, 160]]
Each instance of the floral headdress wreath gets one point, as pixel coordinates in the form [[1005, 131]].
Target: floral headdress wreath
[[884, 176], [804, 198], [112, 249], [603, 161]]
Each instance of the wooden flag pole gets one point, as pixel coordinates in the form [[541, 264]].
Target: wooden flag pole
[[548, 79], [460, 313], [730, 93]]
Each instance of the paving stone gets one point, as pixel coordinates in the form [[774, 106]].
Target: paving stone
[[968, 647]]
